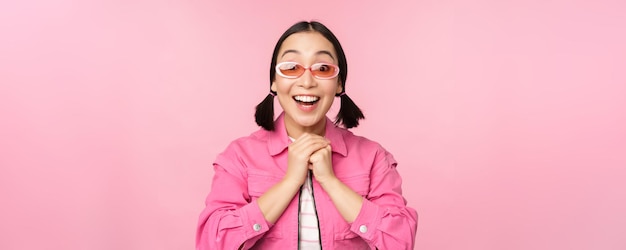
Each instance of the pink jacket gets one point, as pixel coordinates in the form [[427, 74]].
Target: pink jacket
[[252, 164]]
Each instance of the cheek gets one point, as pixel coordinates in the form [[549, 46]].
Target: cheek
[[332, 88], [282, 86], [282, 90]]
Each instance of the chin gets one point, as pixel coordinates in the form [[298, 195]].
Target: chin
[[308, 122]]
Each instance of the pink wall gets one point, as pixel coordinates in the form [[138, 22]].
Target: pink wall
[[508, 119]]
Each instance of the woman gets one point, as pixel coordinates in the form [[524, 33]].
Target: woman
[[302, 182]]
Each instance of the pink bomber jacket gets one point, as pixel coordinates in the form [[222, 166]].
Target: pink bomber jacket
[[251, 165]]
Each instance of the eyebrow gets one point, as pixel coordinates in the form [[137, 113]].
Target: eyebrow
[[321, 52]]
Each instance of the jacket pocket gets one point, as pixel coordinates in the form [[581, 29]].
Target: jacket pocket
[[358, 183], [259, 182]]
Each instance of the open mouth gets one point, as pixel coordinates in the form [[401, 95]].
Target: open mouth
[[306, 99]]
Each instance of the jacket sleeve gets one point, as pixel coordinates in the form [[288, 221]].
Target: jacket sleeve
[[385, 222], [231, 220]]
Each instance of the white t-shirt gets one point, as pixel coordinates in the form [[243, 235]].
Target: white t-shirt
[[309, 233]]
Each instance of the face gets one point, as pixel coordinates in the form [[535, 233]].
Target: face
[[306, 99]]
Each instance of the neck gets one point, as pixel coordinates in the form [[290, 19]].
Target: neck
[[295, 130]]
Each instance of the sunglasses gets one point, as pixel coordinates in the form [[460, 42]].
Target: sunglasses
[[292, 70]]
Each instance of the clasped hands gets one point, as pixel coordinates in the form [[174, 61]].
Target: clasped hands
[[310, 152]]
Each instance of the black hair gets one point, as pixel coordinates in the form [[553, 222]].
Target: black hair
[[349, 114]]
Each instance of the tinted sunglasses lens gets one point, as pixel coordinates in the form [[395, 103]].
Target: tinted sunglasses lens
[[290, 69], [323, 70]]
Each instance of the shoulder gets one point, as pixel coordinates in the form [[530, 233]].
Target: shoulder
[[364, 157], [253, 141], [360, 142], [239, 151], [365, 148]]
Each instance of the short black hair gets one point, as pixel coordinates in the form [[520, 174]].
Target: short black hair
[[349, 114]]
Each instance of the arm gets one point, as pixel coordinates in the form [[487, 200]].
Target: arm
[[347, 202], [232, 219], [384, 221], [230, 216], [274, 202]]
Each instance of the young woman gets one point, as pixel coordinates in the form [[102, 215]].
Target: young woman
[[303, 182]]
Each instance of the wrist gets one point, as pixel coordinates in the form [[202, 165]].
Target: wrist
[[328, 181], [291, 183]]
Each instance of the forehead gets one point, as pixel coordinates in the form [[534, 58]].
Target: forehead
[[307, 44]]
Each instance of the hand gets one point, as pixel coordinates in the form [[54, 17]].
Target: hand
[[321, 164], [300, 152]]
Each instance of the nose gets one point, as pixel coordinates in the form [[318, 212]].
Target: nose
[[307, 80]]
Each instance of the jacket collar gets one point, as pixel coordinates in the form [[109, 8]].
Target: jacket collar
[[279, 140]]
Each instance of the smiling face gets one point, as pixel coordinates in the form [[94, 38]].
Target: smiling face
[[306, 99]]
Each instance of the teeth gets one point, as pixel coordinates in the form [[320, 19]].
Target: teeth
[[306, 98]]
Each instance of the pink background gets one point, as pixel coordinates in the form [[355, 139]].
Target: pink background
[[508, 119]]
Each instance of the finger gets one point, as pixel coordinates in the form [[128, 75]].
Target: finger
[[326, 149], [311, 148], [308, 143], [308, 136]]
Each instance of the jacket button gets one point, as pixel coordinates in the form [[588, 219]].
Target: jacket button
[[363, 229], [256, 227]]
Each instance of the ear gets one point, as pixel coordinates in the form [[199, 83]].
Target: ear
[[339, 88], [273, 87]]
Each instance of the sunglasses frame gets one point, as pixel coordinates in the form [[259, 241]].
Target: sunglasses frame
[[278, 71]]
